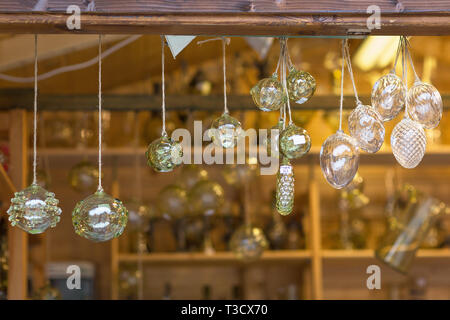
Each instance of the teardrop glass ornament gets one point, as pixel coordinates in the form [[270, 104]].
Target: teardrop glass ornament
[[339, 159], [225, 131], [294, 141], [424, 104], [248, 243], [99, 217], [408, 141], [164, 154], [301, 85], [366, 128], [285, 188], [268, 94], [388, 96], [34, 209]]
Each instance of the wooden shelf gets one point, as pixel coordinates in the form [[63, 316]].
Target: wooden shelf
[[369, 254]]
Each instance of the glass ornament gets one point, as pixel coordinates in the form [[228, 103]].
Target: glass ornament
[[83, 177], [388, 96], [172, 202], [139, 215], [99, 217], [408, 141], [301, 85], [366, 128], [191, 174], [34, 209], [339, 159], [164, 154], [206, 198], [424, 104], [47, 292], [248, 243], [294, 141], [236, 174], [273, 137], [268, 94], [285, 188], [225, 131]]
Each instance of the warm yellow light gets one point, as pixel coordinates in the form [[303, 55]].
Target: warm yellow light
[[376, 52]]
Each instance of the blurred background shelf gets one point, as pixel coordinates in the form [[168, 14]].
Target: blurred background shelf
[[370, 254]]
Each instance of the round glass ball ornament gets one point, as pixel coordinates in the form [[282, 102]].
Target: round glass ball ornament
[[139, 215], [206, 198], [424, 104], [294, 141], [191, 174], [301, 85], [172, 202], [34, 209], [248, 243], [366, 128], [408, 142], [164, 154], [339, 159], [268, 94], [83, 177], [225, 131], [99, 217], [388, 96]]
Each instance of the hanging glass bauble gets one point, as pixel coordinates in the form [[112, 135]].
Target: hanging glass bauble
[[339, 159], [273, 139], [424, 104], [366, 128], [248, 243], [388, 96], [225, 131], [99, 217], [268, 94], [301, 85], [294, 141], [236, 174], [139, 215], [34, 209], [408, 141], [164, 154], [83, 177], [172, 202], [206, 198], [191, 174], [285, 188]]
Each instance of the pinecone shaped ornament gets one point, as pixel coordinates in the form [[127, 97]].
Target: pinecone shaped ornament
[[285, 188]]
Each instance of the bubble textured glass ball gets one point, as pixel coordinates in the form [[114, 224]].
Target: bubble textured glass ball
[[99, 217], [268, 94], [34, 209], [248, 243], [388, 96], [164, 154], [301, 85], [83, 177], [339, 159], [424, 105], [366, 128], [408, 141], [206, 198], [225, 131], [294, 142], [172, 202]]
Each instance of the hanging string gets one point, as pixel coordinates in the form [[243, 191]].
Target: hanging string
[[407, 44], [163, 88], [350, 70], [35, 109], [341, 105], [399, 50], [283, 53], [100, 188]]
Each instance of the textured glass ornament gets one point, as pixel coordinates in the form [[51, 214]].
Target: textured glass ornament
[[206, 198], [225, 131], [424, 104], [83, 177], [191, 174], [301, 85], [285, 188], [273, 137], [172, 202], [268, 94], [388, 96], [366, 128], [294, 142], [139, 215], [248, 243], [164, 154], [339, 159], [34, 209], [99, 217], [408, 141]]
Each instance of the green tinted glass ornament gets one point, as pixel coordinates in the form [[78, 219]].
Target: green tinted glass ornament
[[172, 202], [294, 141], [83, 177], [301, 85], [268, 94], [191, 174], [225, 131], [248, 243], [285, 188], [99, 217], [206, 198], [164, 154], [34, 209]]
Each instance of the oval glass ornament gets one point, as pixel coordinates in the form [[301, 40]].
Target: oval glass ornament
[[268, 94], [99, 217], [172, 202], [294, 142], [83, 177], [339, 159], [225, 131], [248, 243], [164, 154], [366, 128], [388, 96], [206, 198], [424, 104], [408, 142], [301, 85], [34, 210]]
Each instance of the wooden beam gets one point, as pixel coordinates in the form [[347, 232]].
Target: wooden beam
[[7, 188]]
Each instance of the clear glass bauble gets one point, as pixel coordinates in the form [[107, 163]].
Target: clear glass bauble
[[139, 215], [248, 243], [191, 174], [273, 139], [388, 96], [206, 198], [164, 154], [225, 131], [301, 85], [99, 217], [173, 202], [424, 104], [408, 142], [366, 127], [294, 142], [285, 188], [236, 174], [83, 177], [339, 159], [268, 94], [34, 210]]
